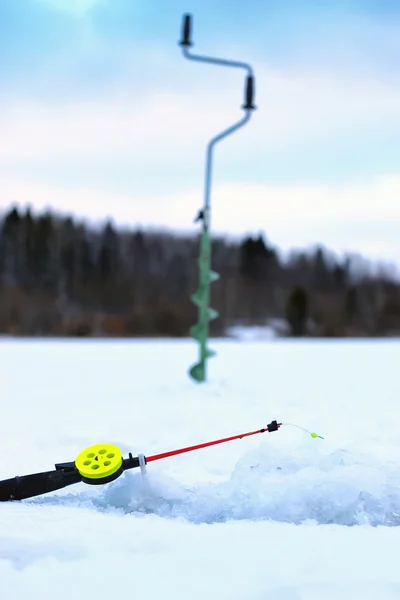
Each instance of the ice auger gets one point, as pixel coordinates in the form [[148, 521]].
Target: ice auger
[[201, 298]]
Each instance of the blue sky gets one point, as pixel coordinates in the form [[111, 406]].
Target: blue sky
[[102, 116]]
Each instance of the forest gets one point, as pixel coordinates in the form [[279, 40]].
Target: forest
[[60, 276]]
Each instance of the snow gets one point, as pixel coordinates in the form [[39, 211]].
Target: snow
[[250, 333], [274, 516], [272, 329]]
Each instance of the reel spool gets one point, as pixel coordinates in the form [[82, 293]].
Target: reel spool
[[99, 464]]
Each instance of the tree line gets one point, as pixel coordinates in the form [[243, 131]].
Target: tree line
[[62, 277]]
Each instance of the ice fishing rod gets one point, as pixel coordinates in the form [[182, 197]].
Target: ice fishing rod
[[100, 464]]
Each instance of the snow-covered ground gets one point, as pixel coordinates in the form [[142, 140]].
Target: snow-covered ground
[[275, 516]]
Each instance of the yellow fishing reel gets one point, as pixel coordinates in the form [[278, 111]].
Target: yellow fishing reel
[[99, 464]]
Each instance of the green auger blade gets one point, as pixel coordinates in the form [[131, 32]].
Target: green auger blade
[[212, 314], [196, 332], [209, 353], [214, 276], [198, 372], [200, 298]]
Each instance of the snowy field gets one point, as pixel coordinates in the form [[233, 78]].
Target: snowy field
[[274, 516]]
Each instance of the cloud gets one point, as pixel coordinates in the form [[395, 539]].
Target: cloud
[[174, 125]]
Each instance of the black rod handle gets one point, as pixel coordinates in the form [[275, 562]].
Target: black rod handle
[[28, 486]]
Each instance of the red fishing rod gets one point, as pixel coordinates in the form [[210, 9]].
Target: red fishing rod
[[97, 465], [274, 426]]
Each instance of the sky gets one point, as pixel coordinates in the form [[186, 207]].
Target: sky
[[103, 117]]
